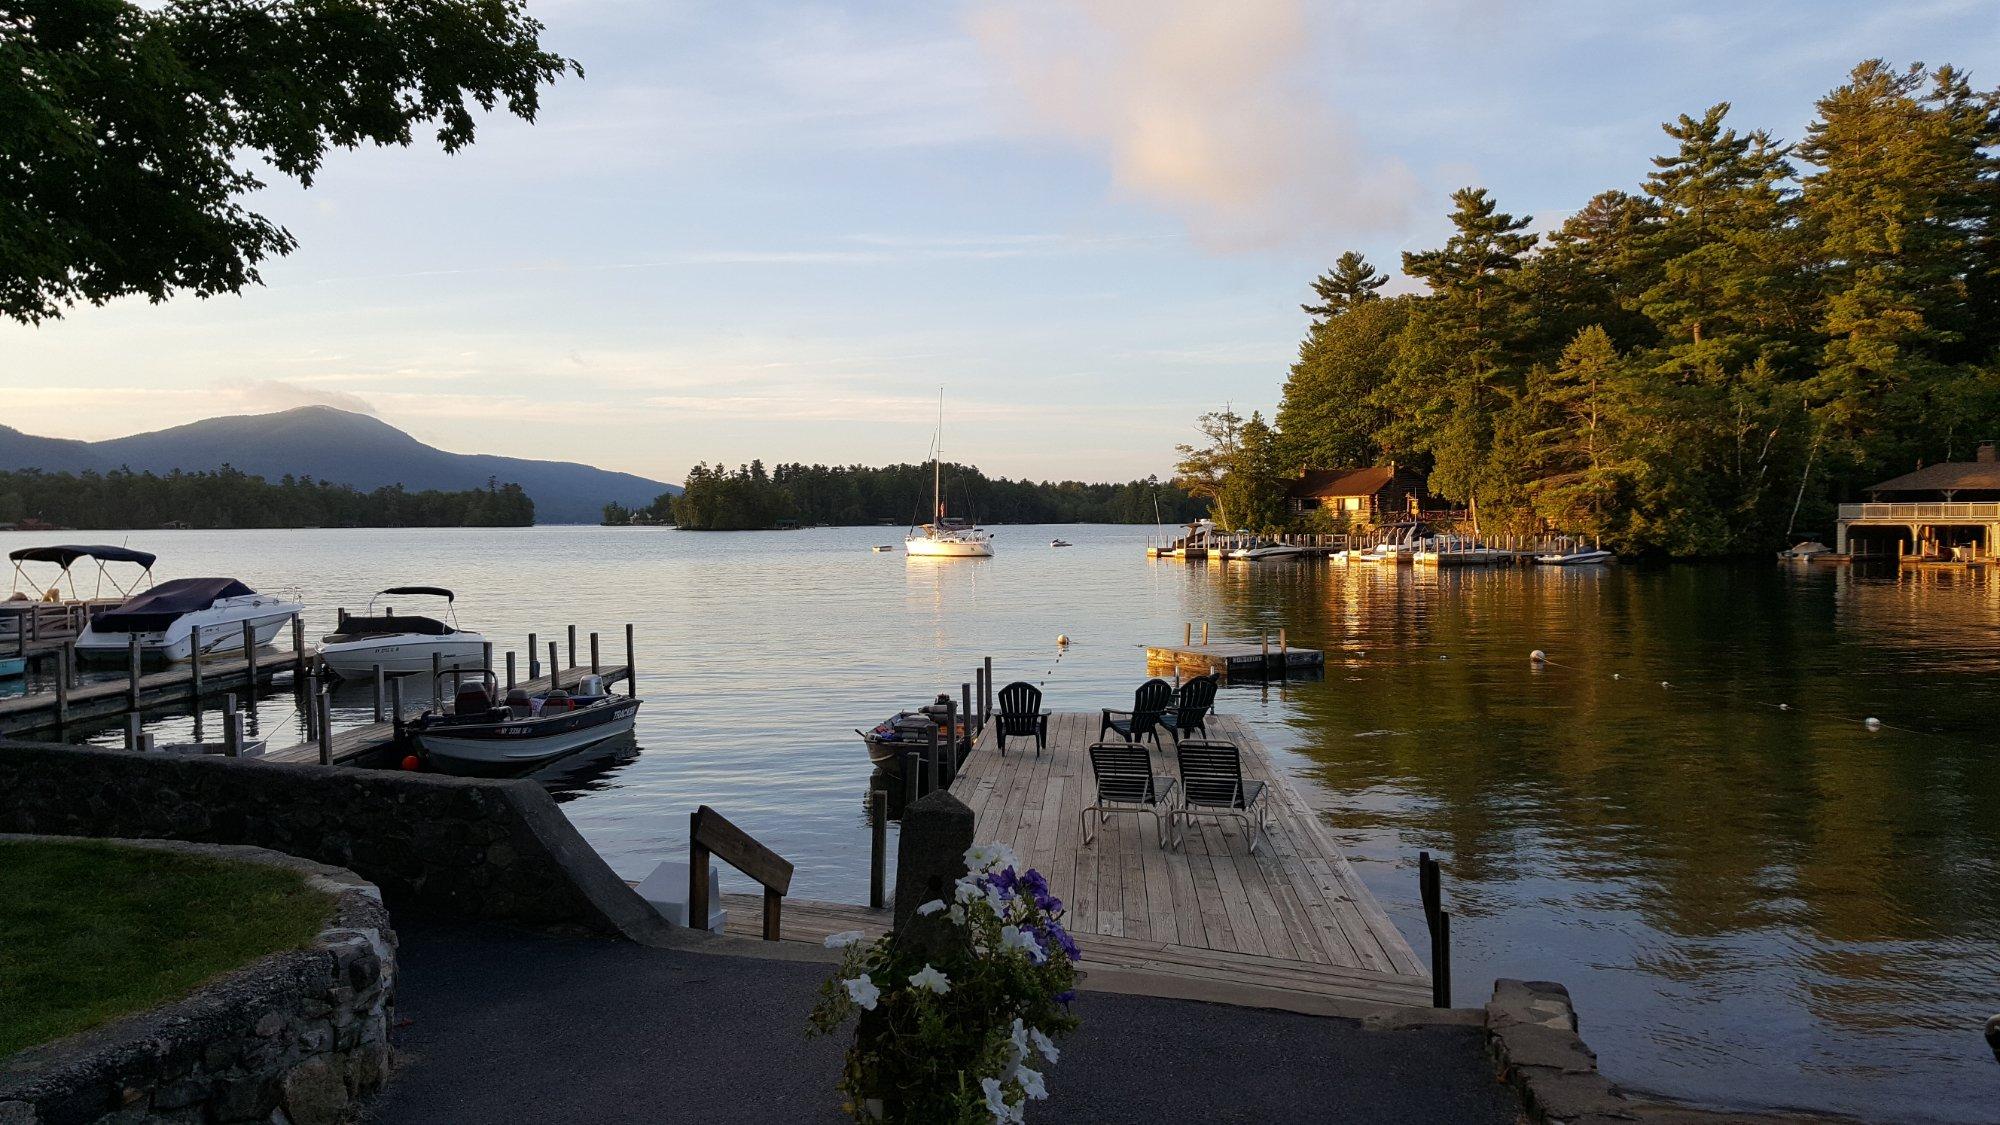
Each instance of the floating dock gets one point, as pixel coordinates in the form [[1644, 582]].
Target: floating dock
[[1289, 927], [1236, 659]]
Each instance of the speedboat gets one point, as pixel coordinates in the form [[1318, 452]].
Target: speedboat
[[174, 618], [1591, 557], [523, 732], [1264, 549], [400, 644]]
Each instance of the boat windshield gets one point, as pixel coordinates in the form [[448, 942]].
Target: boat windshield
[[65, 556]]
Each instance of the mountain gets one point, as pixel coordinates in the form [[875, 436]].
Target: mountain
[[339, 446]]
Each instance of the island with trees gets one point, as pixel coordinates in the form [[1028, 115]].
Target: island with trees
[[1694, 368]]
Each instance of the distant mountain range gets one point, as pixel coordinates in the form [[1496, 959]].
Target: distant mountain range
[[338, 446]]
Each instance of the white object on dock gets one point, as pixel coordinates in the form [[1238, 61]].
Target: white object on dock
[[667, 890]]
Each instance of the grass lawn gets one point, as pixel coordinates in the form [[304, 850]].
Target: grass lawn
[[92, 931]]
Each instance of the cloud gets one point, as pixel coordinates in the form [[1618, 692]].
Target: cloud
[[1208, 110], [261, 396]]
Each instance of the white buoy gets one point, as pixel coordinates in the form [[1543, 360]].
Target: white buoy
[[1617, 676], [1872, 723], [1062, 640], [1538, 656], [1664, 683], [1784, 706]]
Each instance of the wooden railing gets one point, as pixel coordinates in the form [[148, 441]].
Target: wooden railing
[[1922, 511], [710, 834]]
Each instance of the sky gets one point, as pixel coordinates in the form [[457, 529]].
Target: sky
[[763, 230]]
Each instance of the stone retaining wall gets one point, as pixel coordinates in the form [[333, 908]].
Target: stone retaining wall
[[295, 1037], [448, 846]]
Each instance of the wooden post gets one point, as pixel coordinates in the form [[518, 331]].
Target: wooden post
[[250, 663], [913, 777], [697, 872], [325, 705], [437, 682], [631, 667], [594, 662], [194, 670], [534, 658], [232, 731], [134, 724], [1187, 633], [555, 670], [978, 693], [878, 846], [63, 657], [950, 767], [132, 671], [774, 904], [379, 692], [931, 760], [396, 704], [1204, 634], [298, 646], [965, 712], [986, 701], [310, 698], [572, 647], [510, 669], [486, 656]]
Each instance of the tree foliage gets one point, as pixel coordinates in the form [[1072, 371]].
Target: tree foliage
[[1659, 370], [128, 131], [230, 498]]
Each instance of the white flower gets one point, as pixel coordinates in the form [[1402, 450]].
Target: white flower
[[1044, 1044], [863, 992], [844, 939], [1031, 1083], [1018, 1038], [967, 891], [1014, 937], [931, 907], [928, 977], [956, 914], [990, 857], [996, 1100]]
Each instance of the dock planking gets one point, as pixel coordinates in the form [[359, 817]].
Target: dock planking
[[109, 698], [1292, 918], [1236, 659]]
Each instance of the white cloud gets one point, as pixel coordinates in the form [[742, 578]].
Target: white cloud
[[1206, 109], [263, 396]]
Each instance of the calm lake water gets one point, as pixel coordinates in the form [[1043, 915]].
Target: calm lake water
[[1755, 899]]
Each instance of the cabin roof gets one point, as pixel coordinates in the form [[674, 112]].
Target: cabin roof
[[1955, 476], [1321, 484]]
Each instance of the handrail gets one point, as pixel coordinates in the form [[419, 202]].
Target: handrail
[[1921, 509], [709, 833]]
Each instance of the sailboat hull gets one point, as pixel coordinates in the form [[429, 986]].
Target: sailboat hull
[[948, 548]]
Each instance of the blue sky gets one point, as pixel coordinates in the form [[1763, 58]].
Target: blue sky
[[774, 230]]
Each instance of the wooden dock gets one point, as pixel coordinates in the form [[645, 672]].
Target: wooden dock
[[1236, 659], [1289, 927], [358, 743], [97, 700]]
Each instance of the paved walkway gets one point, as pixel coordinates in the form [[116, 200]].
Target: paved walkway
[[513, 1026]]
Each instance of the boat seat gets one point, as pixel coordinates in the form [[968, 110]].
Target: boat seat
[[472, 699], [557, 700], [517, 703]]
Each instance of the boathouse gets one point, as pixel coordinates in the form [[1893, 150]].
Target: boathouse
[[1948, 512], [1383, 494]]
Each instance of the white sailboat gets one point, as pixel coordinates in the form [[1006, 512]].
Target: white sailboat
[[944, 537]]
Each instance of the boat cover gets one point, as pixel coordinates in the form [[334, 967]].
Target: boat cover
[[433, 591], [356, 627], [66, 554], [160, 606]]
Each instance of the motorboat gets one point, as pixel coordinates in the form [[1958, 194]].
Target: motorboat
[[400, 644], [1061, 543], [175, 618], [943, 537], [521, 732], [64, 557], [1805, 551], [1580, 557], [881, 548], [1264, 549], [908, 732]]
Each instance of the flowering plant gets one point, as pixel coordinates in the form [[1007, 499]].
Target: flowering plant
[[960, 1024]]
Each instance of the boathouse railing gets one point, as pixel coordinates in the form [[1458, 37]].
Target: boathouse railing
[[1924, 511], [1430, 882], [710, 834]]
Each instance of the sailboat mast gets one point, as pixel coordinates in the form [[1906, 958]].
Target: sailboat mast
[[937, 465]]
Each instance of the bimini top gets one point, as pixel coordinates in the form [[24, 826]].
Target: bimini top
[[66, 554], [433, 591], [160, 606]]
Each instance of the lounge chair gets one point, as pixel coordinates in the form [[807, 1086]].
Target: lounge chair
[[1143, 720], [1125, 783], [1192, 705], [1212, 784], [1021, 715]]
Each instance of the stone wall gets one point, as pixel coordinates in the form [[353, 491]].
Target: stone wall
[[446, 846], [295, 1037]]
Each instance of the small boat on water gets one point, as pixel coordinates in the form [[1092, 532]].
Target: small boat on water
[[525, 731], [400, 644], [1060, 543], [903, 732], [1804, 552], [1580, 557], [945, 538], [883, 548], [174, 618], [1264, 549]]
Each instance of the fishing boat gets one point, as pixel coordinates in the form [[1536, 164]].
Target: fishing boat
[[943, 537], [522, 732], [1582, 556], [400, 644], [904, 732], [175, 618]]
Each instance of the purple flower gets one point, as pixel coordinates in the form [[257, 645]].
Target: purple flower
[[1054, 930], [1066, 997], [1036, 884], [1004, 881]]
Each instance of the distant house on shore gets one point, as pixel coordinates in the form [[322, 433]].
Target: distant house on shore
[[1383, 494], [1947, 512]]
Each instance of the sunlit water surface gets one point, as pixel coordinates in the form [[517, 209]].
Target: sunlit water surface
[[1755, 898]]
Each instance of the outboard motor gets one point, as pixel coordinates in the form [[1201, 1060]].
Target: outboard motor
[[590, 685]]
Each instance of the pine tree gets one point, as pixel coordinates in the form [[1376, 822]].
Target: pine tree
[[1331, 412], [1351, 282]]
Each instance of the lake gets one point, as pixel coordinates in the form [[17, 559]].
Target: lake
[[1756, 898]]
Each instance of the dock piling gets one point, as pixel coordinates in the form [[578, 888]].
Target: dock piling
[[298, 646], [912, 777], [379, 689], [555, 670], [396, 704], [486, 656], [965, 712], [986, 700], [232, 729], [572, 647], [134, 725], [534, 658], [510, 669], [63, 661], [437, 682], [631, 666], [132, 670], [931, 764], [593, 654], [324, 704], [948, 769], [1204, 633], [878, 846], [249, 663], [194, 669], [1187, 633]]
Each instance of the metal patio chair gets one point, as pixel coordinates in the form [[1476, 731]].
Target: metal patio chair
[[1125, 783], [1212, 784]]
